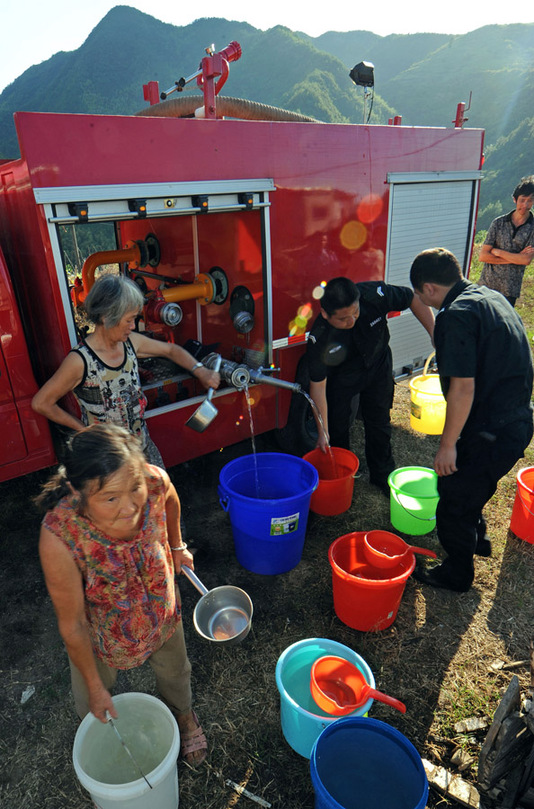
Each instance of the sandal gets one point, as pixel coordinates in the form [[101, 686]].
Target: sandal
[[192, 741]]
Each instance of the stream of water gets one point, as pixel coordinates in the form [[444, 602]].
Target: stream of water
[[331, 473], [253, 440], [322, 429]]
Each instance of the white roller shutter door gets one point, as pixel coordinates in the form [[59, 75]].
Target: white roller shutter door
[[425, 211]]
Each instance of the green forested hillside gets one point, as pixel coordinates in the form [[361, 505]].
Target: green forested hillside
[[419, 76], [509, 159], [128, 48], [390, 55], [424, 76]]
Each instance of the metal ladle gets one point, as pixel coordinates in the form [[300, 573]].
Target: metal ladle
[[224, 614], [205, 412]]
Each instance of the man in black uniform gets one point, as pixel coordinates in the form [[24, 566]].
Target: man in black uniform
[[348, 354], [485, 366]]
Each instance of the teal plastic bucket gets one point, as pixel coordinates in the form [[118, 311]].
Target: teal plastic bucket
[[361, 763], [413, 499], [267, 496], [302, 719]]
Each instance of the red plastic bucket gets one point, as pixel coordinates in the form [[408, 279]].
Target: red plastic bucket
[[336, 471], [522, 521], [365, 597]]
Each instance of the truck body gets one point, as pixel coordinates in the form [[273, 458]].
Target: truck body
[[268, 210]]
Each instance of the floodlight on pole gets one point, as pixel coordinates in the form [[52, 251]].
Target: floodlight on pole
[[363, 75]]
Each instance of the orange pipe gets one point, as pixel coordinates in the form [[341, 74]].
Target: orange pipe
[[91, 263], [201, 289], [130, 253]]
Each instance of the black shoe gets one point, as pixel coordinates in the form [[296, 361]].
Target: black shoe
[[433, 577], [483, 547]]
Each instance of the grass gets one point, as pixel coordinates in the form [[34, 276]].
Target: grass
[[436, 657]]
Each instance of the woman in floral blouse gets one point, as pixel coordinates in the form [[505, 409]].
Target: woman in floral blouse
[[110, 545]]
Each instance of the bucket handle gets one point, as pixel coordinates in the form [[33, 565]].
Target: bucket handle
[[224, 500], [407, 510], [427, 363], [523, 502]]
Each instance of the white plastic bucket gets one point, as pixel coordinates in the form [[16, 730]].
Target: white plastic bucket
[[104, 769]]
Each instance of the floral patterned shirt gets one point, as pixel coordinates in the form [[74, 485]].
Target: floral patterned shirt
[[130, 599]]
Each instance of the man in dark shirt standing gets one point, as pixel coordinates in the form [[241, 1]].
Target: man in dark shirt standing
[[509, 245], [348, 354], [485, 367]]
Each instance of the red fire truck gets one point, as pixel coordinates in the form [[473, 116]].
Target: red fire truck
[[230, 227]]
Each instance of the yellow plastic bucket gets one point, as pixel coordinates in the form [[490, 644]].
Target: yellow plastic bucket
[[428, 406]]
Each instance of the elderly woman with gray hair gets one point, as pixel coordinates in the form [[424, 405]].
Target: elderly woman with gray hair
[[102, 370]]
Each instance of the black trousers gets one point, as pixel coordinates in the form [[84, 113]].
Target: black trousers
[[482, 460], [374, 388]]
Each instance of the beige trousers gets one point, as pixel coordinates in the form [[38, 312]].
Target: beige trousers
[[171, 667]]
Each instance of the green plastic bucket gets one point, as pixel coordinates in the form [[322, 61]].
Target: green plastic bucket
[[413, 499]]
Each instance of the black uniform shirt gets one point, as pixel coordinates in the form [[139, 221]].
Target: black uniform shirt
[[345, 354], [479, 335]]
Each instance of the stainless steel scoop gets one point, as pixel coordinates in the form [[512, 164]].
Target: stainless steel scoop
[[205, 412], [224, 614]]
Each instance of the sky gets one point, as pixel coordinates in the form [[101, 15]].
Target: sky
[[34, 30]]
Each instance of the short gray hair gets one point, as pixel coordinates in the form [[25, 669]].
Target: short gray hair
[[110, 298]]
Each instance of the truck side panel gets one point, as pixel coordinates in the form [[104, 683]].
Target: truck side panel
[[322, 207], [25, 441]]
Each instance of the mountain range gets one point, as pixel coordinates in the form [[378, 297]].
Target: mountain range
[[421, 77]]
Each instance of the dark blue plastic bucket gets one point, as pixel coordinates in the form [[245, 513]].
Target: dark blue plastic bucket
[[267, 496], [361, 763]]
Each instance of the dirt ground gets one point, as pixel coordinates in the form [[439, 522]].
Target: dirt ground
[[436, 657]]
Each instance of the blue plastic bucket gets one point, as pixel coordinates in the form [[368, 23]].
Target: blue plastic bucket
[[267, 496], [302, 719], [360, 763]]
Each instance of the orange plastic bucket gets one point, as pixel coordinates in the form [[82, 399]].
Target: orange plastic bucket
[[336, 471], [522, 521], [365, 597]]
